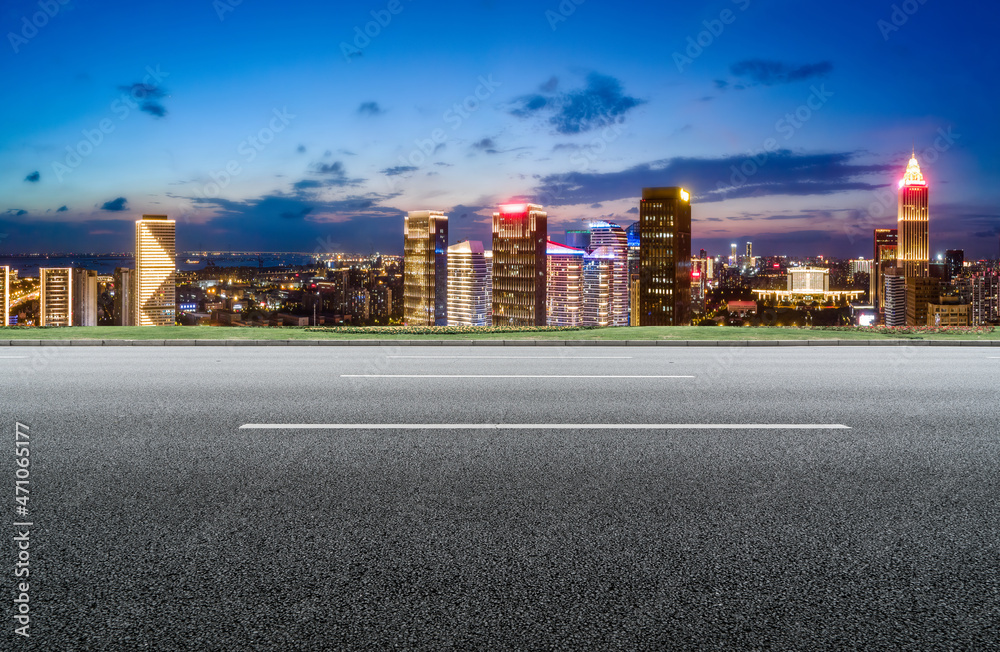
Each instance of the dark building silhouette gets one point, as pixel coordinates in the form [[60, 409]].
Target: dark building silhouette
[[664, 257]]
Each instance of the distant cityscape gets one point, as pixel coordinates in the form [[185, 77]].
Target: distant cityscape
[[642, 274]]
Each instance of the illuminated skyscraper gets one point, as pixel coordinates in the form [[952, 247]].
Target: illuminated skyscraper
[[55, 296], [913, 252], [5, 295], [633, 272], [520, 234], [895, 300], [470, 288], [613, 237], [425, 269], [985, 298], [884, 262], [155, 271], [564, 295], [733, 258], [664, 257], [599, 272]]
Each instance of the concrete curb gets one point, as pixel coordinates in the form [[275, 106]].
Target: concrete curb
[[608, 343]]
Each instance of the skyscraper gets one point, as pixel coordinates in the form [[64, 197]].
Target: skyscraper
[[564, 295], [55, 296], [470, 287], [599, 302], [664, 257], [913, 252], [613, 237], [985, 298], [155, 271], [520, 236], [749, 257], [920, 292], [633, 272], [84, 297], [955, 262], [895, 300], [124, 307], [425, 268], [883, 262], [5, 295], [733, 258], [578, 239]]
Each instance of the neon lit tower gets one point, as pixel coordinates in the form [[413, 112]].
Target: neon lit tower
[[564, 295], [520, 237], [913, 249], [5, 295], [425, 268], [155, 271]]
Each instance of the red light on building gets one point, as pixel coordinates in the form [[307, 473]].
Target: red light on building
[[696, 274], [777, 266]]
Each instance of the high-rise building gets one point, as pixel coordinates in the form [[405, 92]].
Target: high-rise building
[[5, 295], [155, 271], [985, 298], [425, 268], [124, 303], [84, 297], [955, 262], [470, 287], [634, 253], [913, 252], [748, 259], [702, 253], [884, 262], [895, 299], [600, 304], [733, 258], [520, 237], [613, 237], [578, 239], [564, 295], [665, 257], [920, 292], [55, 296]]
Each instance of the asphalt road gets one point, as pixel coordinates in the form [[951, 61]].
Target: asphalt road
[[158, 523]]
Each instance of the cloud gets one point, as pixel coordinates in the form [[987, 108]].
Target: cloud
[[601, 102], [398, 170], [307, 184], [62, 209], [301, 149], [633, 211], [297, 214], [115, 205], [21, 212], [148, 96], [717, 179], [370, 109], [336, 174], [34, 177], [759, 72], [485, 145]]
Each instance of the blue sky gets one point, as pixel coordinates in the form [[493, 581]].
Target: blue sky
[[273, 126]]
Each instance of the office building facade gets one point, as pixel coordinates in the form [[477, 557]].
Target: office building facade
[[520, 265], [614, 239], [564, 295], [55, 296], [895, 300], [920, 293], [578, 239], [884, 262], [5, 295], [470, 286], [664, 257], [84, 297], [913, 248], [155, 271], [123, 313], [425, 268]]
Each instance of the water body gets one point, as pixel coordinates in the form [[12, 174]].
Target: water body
[[105, 264]]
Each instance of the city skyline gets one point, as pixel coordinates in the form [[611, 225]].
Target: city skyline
[[308, 148]]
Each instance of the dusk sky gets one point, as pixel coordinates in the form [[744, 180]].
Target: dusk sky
[[113, 109]]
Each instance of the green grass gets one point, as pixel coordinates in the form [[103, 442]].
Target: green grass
[[637, 333]]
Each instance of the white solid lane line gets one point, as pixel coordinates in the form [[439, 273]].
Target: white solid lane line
[[510, 357], [544, 426], [13, 357], [474, 376]]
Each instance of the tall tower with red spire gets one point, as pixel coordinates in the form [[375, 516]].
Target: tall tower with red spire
[[913, 247]]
